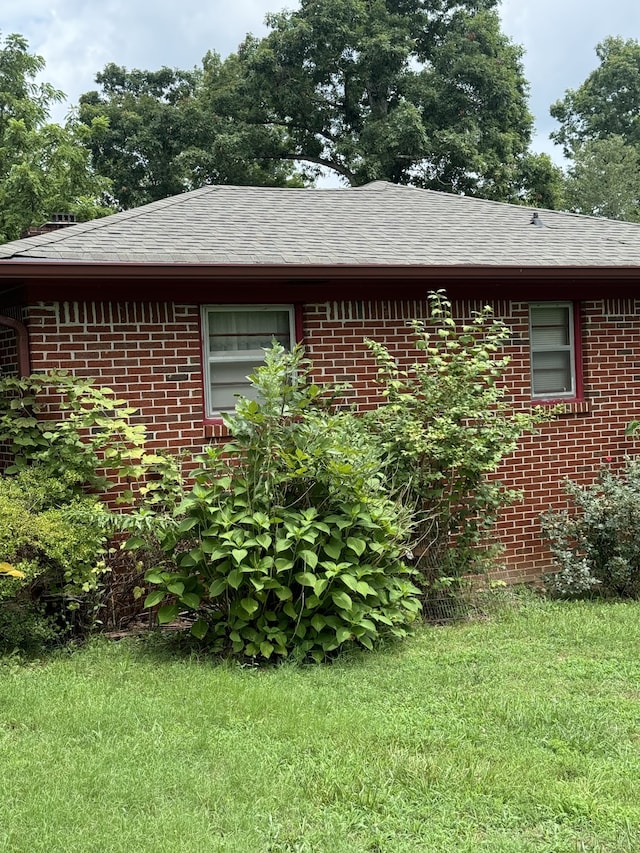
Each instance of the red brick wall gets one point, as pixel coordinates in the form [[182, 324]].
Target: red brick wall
[[572, 446], [150, 353]]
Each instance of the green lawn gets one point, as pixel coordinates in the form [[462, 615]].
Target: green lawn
[[521, 733]]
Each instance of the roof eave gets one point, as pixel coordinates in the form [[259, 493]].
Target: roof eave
[[27, 269]]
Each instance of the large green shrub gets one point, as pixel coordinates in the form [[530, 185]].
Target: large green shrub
[[444, 429], [288, 542], [54, 548], [596, 544], [67, 436]]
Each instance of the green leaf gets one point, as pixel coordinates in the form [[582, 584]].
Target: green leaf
[[177, 588], [357, 545], [266, 649], [305, 578], [342, 600], [264, 540], [153, 576], [239, 554], [283, 593], [290, 610], [310, 558], [350, 581], [319, 586], [217, 587], [318, 622], [134, 542], [343, 634], [333, 549], [234, 578], [167, 613], [187, 524], [191, 599], [199, 629], [154, 598], [211, 547], [250, 605]]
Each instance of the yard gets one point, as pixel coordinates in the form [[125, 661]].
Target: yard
[[516, 733]]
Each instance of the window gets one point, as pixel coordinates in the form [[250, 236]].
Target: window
[[235, 338], [553, 353]]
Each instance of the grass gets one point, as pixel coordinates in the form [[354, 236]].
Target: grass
[[521, 733]]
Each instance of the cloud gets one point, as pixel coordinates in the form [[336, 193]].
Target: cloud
[[78, 38]]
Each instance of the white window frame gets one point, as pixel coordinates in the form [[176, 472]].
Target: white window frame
[[570, 347], [249, 356]]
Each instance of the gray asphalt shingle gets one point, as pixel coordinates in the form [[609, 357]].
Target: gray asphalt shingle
[[380, 223]]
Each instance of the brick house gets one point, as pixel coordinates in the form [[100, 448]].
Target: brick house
[[170, 303]]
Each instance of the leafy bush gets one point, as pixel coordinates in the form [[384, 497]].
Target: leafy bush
[[69, 428], [288, 542], [71, 434], [51, 550], [596, 545], [444, 429]]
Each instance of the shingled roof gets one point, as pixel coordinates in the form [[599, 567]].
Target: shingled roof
[[378, 224]]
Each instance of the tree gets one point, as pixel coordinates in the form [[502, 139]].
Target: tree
[[431, 94], [600, 133], [160, 140], [604, 179], [43, 167], [607, 103]]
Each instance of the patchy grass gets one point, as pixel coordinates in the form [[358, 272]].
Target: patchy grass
[[521, 733]]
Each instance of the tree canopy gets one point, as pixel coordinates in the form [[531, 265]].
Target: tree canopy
[[44, 168], [427, 93], [431, 94], [600, 133], [607, 103], [604, 179], [161, 140]]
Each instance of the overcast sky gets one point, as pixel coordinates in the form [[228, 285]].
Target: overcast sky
[[78, 37]]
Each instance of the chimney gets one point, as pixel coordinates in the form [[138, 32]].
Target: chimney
[[57, 220]]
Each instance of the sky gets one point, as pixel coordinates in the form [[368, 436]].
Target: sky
[[77, 38]]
